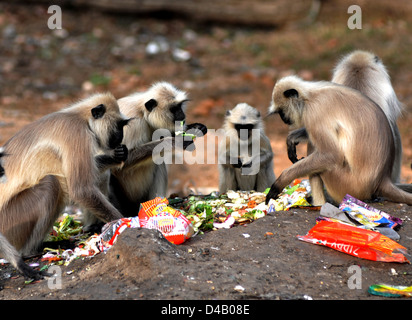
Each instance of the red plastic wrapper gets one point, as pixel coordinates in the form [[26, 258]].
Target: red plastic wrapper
[[355, 241], [112, 230], [156, 214]]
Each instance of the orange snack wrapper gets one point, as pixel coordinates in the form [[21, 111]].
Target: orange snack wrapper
[[156, 214], [361, 243]]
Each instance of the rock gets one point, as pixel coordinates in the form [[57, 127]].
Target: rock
[[141, 252]]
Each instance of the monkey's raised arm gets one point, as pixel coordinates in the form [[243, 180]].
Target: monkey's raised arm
[[145, 151]]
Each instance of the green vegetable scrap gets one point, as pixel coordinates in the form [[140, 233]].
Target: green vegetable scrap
[[207, 212], [66, 229], [183, 133]]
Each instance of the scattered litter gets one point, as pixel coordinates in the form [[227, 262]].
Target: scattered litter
[[227, 224], [113, 229], [359, 214], [334, 214], [157, 214], [67, 228], [366, 214], [292, 196], [153, 214], [217, 211], [390, 291], [246, 235], [239, 288], [358, 242]]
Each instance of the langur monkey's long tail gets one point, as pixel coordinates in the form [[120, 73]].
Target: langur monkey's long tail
[[396, 193]]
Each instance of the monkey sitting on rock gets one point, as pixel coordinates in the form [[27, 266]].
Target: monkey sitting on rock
[[245, 154]]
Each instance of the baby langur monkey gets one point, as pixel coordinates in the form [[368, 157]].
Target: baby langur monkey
[[365, 72], [245, 154], [349, 158], [50, 162], [140, 179]]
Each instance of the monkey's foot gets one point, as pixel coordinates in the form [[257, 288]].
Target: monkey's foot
[[30, 273]]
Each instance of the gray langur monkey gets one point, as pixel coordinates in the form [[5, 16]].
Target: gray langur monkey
[[245, 146], [140, 179], [51, 162], [363, 71], [349, 158]]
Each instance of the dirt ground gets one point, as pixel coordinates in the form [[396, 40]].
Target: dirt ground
[[43, 70], [244, 262]]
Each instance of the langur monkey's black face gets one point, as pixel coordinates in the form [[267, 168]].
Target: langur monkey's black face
[[115, 131], [288, 104], [242, 119], [116, 136], [244, 131], [177, 111]]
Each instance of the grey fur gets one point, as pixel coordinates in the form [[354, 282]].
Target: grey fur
[[233, 166], [349, 158], [365, 72], [50, 163]]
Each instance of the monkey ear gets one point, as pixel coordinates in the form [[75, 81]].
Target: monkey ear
[[99, 111], [150, 105], [291, 93], [228, 112]]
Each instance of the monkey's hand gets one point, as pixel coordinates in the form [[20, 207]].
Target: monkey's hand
[[106, 161], [120, 153], [273, 193], [198, 129], [189, 145], [291, 146], [292, 140]]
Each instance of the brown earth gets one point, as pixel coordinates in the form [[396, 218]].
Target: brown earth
[[43, 70]]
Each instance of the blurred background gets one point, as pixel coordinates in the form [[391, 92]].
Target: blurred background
[[221, 52]]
